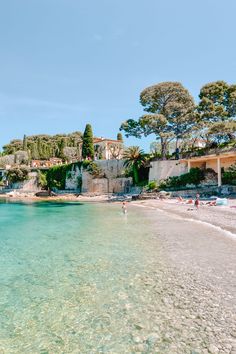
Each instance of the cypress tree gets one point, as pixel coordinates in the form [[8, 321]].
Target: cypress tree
[[39, 148], [44, 150], [34, 151], [87, 147], [120, 137], [62, 146], [49, 151], [25, 147]]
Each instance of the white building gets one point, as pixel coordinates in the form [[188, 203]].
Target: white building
[[108, 149]]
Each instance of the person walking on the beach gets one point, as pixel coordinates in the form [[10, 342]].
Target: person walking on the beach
[[197, 201], [124, 209]]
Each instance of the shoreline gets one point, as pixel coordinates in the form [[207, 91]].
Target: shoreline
[[222, 217], [62, 197]]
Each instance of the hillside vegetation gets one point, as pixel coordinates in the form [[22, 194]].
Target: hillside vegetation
[[46, 146]]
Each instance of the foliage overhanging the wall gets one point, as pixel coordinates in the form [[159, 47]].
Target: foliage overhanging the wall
[[17, 174], [56, 176], [194, 176]]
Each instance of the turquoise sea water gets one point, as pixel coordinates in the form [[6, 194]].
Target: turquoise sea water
[[67, 273]]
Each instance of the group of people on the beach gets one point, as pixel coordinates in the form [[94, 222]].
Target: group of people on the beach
[[196, 202]]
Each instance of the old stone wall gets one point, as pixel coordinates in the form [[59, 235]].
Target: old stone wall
[[72, 180], [112, 168], [30, 185], [106, 185], [87, 184], [160, 170], [112, 182]]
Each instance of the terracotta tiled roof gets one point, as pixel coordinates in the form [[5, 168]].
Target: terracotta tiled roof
[[98, 140]]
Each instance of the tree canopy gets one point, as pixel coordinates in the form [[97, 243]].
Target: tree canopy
[[134, 159], [217, 110], [170, 114], [45, 146], [120, 137]]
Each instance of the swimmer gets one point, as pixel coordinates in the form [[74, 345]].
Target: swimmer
[[124, 209]]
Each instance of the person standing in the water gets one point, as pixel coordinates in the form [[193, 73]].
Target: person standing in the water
[[124, 208]]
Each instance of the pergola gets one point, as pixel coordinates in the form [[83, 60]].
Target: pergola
[[214, 161]]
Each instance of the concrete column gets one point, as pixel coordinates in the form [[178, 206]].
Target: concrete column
[[219, 172], [189, 165]]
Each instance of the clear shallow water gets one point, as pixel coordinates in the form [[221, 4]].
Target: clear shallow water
[[84, 278], [66, 277]]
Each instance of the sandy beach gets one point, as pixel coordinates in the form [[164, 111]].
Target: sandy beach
[[223, 217]]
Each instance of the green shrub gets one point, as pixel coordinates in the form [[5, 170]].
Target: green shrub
[[152, 185], [56, 176], [194, 176], [142, 183], [17, 174], [229, 176], [42, 179], [92, 168]]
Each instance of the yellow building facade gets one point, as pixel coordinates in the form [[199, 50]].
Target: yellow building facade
[[214, 161]]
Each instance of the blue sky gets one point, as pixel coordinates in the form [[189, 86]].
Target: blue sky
[[64, 63]]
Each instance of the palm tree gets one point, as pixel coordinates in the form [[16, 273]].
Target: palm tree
[[134, 159]]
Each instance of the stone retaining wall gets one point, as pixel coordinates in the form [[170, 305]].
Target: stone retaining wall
[[160, 170], [30, 185], [113, 182]]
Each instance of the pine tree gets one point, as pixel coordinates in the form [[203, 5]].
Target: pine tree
[[87, 147]]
